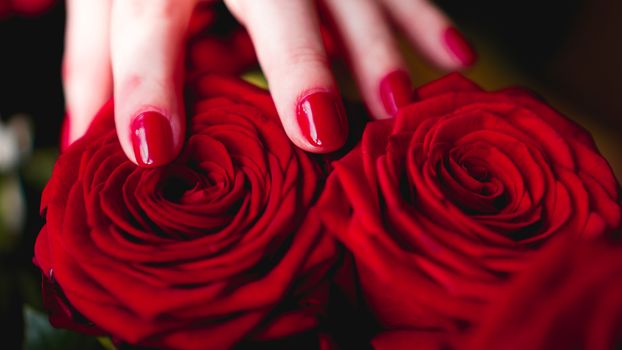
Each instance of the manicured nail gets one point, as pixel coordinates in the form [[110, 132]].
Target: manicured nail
[[322, 119], [64, 133], [459, 47], [395, 91], [152, 139]]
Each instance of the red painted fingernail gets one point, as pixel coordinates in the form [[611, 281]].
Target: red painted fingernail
[[395, 91], [64, 133], [322, 119], [152, 139], [459, 47]]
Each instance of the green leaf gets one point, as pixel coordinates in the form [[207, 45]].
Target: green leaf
[[12, 212], [256, 78], [38, 170], [106, 343], [40, 335]]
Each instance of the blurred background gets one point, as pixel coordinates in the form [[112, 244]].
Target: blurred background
[[569, 51]]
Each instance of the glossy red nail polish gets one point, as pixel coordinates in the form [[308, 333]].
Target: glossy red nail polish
[[395, 91], [322, 119], [152, 139], [459, 47]]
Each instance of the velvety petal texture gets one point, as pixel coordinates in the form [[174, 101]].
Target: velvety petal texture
[[570, 298], [217, 249], [441, 205]]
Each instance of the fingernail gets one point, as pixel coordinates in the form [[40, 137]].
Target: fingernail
[[322, 119], [64, 133], [459, 47], [152, 139], [395, 91]]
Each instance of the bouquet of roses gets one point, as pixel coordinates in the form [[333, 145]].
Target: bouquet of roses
[[472, 220]]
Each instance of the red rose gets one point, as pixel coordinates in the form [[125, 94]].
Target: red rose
[[570, 298], [442, 204], [214, 250]]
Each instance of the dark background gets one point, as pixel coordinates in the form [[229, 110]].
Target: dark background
[[569, 51]]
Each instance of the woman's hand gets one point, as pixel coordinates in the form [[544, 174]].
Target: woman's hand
[[140, 43]]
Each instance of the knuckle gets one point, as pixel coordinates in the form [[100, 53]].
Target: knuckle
[[150, 8], [375, 40], [305, 56]]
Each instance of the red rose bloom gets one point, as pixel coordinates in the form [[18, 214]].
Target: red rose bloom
[[570, 298], [442, 204], [213, 250]]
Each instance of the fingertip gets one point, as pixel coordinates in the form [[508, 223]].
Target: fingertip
[[459, 47], [433, 34], [291, 54], [322, 121], [86, 71], [147, 53], [396, 90], [152, 139]]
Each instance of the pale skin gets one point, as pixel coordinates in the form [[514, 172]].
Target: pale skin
[[132, 50]]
